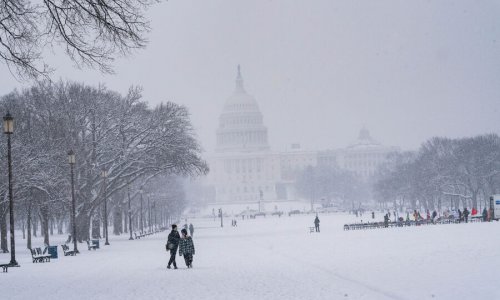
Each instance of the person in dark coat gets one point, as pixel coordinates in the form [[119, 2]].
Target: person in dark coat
[[172, 245], [191, 229], [459, 216], [434, 215], [466, 215], [485, 215], [316, 224], [186, 248]]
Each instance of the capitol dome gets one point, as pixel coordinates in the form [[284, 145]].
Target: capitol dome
[[241, 126]]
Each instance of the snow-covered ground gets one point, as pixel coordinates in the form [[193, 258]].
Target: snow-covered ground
[[274, 258]]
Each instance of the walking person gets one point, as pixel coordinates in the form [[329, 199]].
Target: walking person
[[191, 229], [316, 223], [172, 245], [459, 216], [186, 248], [466, 215]]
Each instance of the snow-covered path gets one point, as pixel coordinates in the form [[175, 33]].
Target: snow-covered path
[[276, 258]]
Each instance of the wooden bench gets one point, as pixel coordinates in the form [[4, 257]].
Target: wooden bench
[[38, 256], [91, 246], [67, 251], [311, 229]]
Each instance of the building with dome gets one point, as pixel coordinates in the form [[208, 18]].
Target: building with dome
[[244, 169]]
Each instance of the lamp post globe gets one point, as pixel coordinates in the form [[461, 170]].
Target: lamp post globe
[[8, 129], [8, 124]]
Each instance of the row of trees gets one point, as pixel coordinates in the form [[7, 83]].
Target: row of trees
[[327, 185], [141, 149], [443, 173]]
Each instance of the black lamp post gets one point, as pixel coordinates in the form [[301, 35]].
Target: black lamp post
[[104, 175], [141, 223], [129, 213], [149, 213], [72, 161], [8, 129], [154, 211]]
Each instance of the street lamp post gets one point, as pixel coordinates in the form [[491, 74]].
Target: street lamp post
[[141, 223], [72, 161], [104, 175], [149, 214], [154, 210], [129, 213], [8, 129]]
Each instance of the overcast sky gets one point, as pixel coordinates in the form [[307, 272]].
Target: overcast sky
[[320, 70]]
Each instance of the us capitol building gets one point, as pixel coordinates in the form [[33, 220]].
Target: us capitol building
[[243, 168]]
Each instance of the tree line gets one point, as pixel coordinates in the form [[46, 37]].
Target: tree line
[[443, 173], [144, 150]]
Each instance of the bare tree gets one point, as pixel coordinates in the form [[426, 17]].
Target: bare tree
[[92, 32]]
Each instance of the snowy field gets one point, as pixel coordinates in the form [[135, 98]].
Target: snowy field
[[274, 258]]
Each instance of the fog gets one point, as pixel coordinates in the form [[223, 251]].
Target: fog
[[320, 70]]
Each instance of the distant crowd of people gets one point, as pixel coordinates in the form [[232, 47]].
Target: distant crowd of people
[[460, 215]]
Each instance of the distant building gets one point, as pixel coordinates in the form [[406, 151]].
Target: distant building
[[243, 169], [364, 156]]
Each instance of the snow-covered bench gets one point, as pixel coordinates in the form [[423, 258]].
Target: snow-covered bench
[[67, 251], [91, 246], [38, 256]]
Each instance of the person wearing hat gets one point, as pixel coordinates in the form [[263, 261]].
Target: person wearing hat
[[172, 245], [186, 248]]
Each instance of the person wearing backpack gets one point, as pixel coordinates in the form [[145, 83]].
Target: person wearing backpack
[[186, 248], [172, 245]]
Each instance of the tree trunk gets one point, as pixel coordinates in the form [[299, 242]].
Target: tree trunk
[[51, 228], [44, 223], [82, 227], [474, 199], [96, 227], [3, 230], [117, 220], [28, 225], [59, 226], [35, 226], [125, 219]]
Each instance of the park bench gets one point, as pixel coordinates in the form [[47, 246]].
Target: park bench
[[5, 267], [67, 251], [91, 245], [38, 256], [311, 229]]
